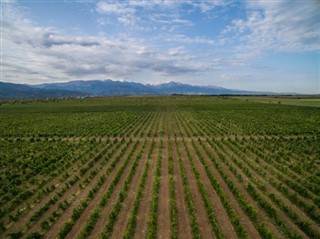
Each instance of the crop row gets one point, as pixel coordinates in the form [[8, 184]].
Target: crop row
[[264, 203], [77, 212], [293, 190]]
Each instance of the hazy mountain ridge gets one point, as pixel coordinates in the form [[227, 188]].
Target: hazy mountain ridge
[[108, 88], [18, 91]]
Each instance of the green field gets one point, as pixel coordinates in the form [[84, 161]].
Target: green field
[[312, 101], [160, 167]]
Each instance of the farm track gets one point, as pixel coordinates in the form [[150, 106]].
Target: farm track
[[98, 227], [244, 219], [67, 214], [172, 171], [158, 138], [313, 198], [36, 207], [55, 181], [204, 224], [270, 190], [163, 221], [164, 201], [144, 207], [261, 215], [183, 220], [221, 215], [123, 217], [182, 211], [73, 194]]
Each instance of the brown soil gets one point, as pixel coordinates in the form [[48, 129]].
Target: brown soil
[[73, 192], [261, 215], [158, 137], [221, 215], [140, 126], [163, 124], [182, 214], [163, 230], [52, 233], [271, 189], [303, 176], [244, 219], [203, 221], [123, 217], [26, 218], [106, 210], [144, 209]]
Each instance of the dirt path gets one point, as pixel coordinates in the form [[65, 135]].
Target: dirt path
[[74, 191], [155, 127], [183, 217], [136, 124], [221, 215], [99, 226], [244, 219], [123, 217], [141, 126], [148, 128], [144, 209], [271, 189], [261, 215], [35, 207], [273, 172], [158, 137], [163, 228], [52, 233], [201, 213], [204, 224]]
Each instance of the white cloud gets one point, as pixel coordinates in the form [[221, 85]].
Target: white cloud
[[153, 41], [208, 5], [114, 7], [130, 5], [190, 40], [285, 26], [154, 3], [33, 54], [8, 1], [129, 10]]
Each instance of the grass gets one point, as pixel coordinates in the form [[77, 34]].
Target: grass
[[311, 101]]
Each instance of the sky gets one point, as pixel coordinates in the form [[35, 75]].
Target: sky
[[270, 45]]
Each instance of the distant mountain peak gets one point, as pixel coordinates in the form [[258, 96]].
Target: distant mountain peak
[[172, 83], [108, 87]]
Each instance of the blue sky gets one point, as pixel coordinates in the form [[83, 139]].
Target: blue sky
[[250, 45]]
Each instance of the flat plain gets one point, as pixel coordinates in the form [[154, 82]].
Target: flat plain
[[159, 167]]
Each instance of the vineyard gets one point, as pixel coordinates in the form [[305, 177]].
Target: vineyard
[[159, 167]]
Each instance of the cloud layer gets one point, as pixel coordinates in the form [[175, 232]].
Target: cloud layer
[[33, 53], [288, 26], [161, 40]]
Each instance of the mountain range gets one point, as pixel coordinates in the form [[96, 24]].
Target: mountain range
[[109, 88]]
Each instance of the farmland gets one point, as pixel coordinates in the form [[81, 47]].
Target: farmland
[[303, 100], [159, 167]]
